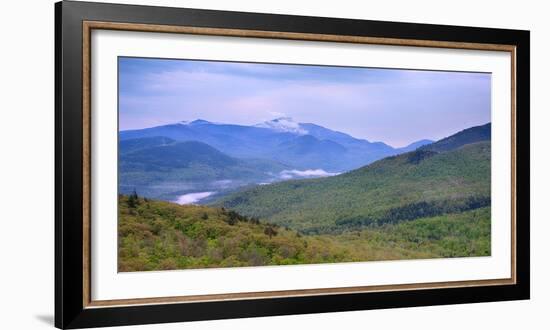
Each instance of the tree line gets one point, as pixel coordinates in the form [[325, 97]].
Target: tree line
[[415, 211]]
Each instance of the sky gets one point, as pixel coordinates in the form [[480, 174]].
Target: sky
[[390, 105]]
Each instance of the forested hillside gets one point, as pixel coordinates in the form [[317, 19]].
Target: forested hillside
[[413, 185], [428, 203], [158, 235]]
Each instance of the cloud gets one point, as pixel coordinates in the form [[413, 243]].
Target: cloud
[[394, 106], [193, 197], [318, 173]]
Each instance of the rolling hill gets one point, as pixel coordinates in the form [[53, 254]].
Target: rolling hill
[[158, 235], [449, 176], [159, 167], [131, 145]]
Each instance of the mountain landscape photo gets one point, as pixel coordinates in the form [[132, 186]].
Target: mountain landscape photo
[[289, 164], [177, 159]]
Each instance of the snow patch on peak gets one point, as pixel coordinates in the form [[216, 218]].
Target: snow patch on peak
[[284, 124], [200, 122], [194, 122]]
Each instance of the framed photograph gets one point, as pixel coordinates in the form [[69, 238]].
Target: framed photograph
[[214, 164]]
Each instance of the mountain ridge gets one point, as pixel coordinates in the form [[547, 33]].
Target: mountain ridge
[[466, 136], [419, 182], [166, 170], [265, 140]]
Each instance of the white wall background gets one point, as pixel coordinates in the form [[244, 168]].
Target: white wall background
[[27, 168]]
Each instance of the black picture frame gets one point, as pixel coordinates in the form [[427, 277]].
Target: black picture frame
[[70, 309]]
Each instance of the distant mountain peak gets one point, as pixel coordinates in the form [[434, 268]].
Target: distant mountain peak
[[282, 119], [195, 122], [200, 122], [283, 124]]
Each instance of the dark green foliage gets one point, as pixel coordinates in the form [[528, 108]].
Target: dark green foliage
[[399, 188], [416, 156], [234, 217], [467, 136], [417, 210]]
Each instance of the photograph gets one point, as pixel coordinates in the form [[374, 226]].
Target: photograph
[[227, 163], [240, 164]]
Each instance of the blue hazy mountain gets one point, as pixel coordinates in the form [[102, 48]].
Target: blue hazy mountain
[[300, 146], [160, 167], [131, 145], [234, 140], [307, 151]]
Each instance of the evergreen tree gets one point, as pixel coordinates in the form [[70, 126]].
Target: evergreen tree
[[133, 199]]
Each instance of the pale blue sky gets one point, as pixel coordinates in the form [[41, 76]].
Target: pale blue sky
[[389, 105]]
